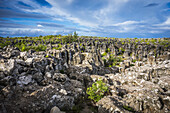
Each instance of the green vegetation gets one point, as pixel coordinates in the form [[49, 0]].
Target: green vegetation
[[75, 36], [46, 56], [128, 108], [164, 43], [62, 71], [132, 65], [69, 38], [58, 48], [108, 50], [77, 108], [27, 43], [111, 61], [23, 47], [97, 91], [121, 49], [40, 47], [6, 43], [133, 60], [104, 54]]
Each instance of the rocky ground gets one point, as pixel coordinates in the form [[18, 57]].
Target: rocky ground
[[55, 81]]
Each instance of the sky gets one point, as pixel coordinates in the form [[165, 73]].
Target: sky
[[103, 18]]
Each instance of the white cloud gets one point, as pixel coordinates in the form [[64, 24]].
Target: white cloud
[[107, 14], [126, 23], [165, 23], [155, 31], [70, 1], [39, 25], [124, 16], [58, 10], [58, 19]]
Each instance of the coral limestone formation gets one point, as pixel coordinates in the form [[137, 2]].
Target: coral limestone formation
[[52, 74]]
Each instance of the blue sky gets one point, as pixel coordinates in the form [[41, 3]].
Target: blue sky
[[106, 18]]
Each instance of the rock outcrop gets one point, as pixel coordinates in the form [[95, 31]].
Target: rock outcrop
[[55, 81]]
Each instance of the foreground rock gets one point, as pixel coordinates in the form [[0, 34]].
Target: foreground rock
[[139, 90]]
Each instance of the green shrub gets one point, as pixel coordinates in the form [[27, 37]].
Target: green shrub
[[128, 108], [104, 54], [148, 43], [58, 48], [40, 47], [23, 48], [62, 71], [153, 41], [108, 50], [132, 65], [123, 50], [134, 61], [75, 36], [111, 61], [114, 63], [97, 91], [46, 56], [70, 38], [80, 44], [5, 43]]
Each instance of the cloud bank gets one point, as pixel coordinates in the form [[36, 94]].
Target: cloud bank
[[109, 18]]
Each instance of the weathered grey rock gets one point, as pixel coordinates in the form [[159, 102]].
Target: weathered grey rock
[[15, 53], [29, 61], [7, 66], [38, 76], [32, 82], [48, 75], [56, 110], [60, 77], [22, 54], [25, 80]]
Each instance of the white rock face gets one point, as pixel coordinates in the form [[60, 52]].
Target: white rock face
[[7, 66], [63, 91], [29, 61], [22, 54], [48, 74]]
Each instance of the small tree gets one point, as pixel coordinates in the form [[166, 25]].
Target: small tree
[[75, 35], [97, 91]]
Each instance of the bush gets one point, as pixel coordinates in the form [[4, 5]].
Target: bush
[[121, 49], [128, 108], [58, 48], [132, 65], [4, 43], [133, 60], [104, 54], [97, 91], [62, 71], [40, 47], [23, 47], [70, 38], [108, 50], [75, 36], [46, 56]]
